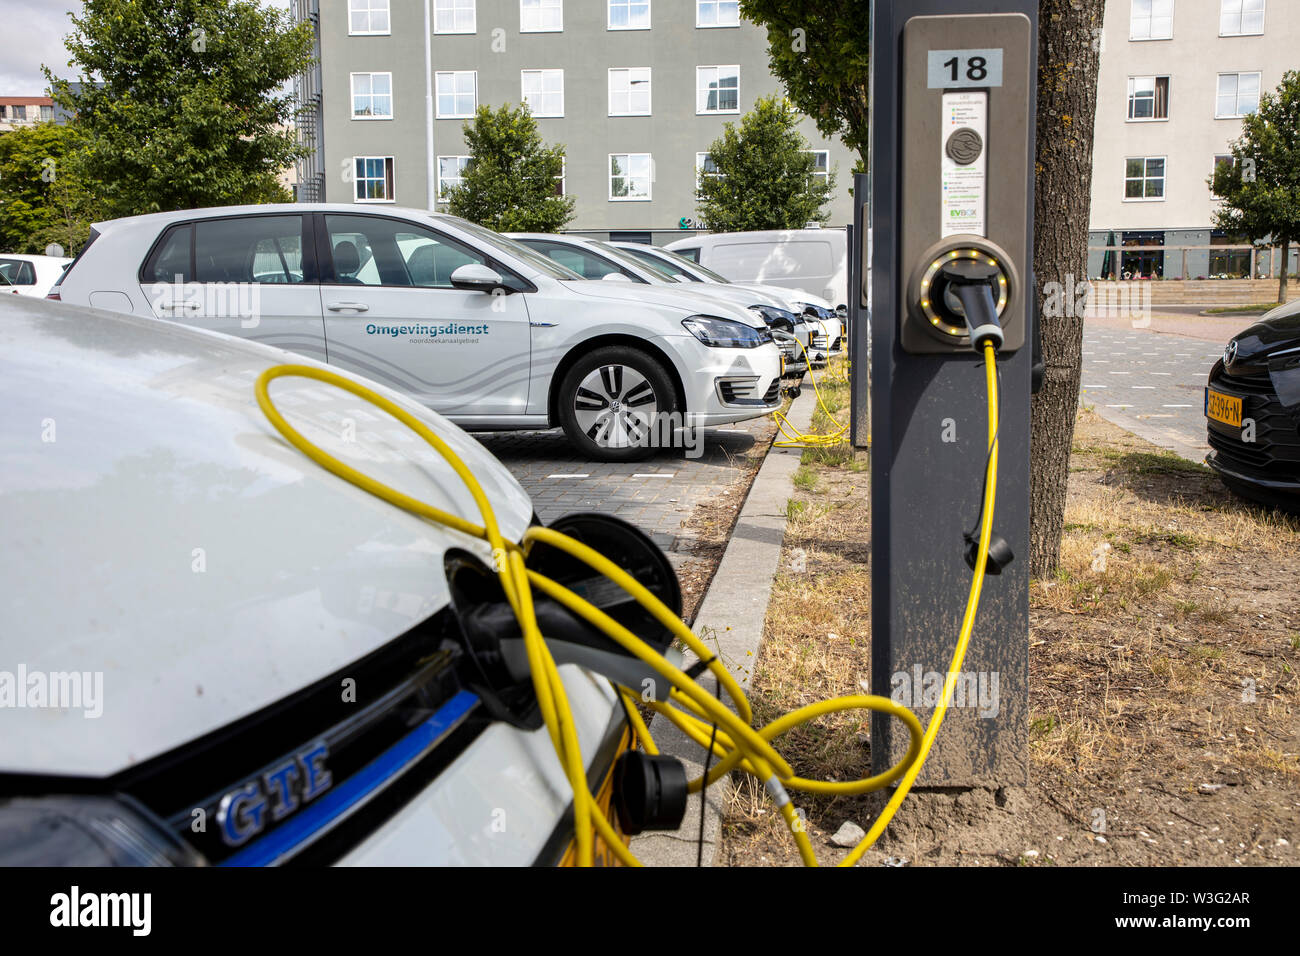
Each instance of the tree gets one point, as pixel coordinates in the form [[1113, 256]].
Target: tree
[[829, 81], [820, 53], [43, 201], [764, 176], [1260, 188], [512, 179], [182, 103]]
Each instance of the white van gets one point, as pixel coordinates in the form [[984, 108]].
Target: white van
[[812, 260]]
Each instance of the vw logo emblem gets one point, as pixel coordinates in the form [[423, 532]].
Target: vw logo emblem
[[1230, 353]]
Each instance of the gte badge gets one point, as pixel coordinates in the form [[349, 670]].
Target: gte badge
[[247, 810]]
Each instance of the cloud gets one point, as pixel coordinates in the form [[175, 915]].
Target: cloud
[[38, 40]]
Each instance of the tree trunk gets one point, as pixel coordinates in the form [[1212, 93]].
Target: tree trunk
[[1069, 43], [1286, 263]]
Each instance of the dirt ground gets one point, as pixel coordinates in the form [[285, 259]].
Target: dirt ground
[[1163, 715]]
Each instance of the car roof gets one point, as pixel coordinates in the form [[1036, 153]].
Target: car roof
[[270, 209]]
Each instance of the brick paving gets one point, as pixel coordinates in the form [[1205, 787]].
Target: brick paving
[[657, 494]]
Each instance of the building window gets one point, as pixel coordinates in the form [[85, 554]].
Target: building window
[[559, 180], [541, 16], [629, 91], [1140, 260], [374, 176], [451, 173], [543, 91], [1151, 20], [47, 113], [717, 13], [453, 16], [372, 96], [368, 17], [457, 94], [1241, 18], [629, 14], [19, 113], [629, 177], [1221, 160], [705, 168], [1238, 95], [821, 164], [1148, 97], [717, 89], [1144, 179]]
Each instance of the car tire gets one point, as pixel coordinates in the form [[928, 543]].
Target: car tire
[[609, 403]]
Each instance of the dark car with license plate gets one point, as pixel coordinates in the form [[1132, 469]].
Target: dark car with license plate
[[1252, 411]]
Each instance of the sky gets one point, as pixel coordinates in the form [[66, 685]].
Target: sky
[[42, 25]]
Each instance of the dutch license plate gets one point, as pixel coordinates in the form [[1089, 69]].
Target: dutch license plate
[[1222, 408]]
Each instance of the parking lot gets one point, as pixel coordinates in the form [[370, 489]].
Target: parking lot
[[657, 495]]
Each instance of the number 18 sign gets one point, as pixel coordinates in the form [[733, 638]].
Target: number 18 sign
[[956, 69]]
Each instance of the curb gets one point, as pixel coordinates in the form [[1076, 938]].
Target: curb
[[730, 619]]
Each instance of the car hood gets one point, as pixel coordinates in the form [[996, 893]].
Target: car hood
[[163, 541], [685, 299], [784, 295]]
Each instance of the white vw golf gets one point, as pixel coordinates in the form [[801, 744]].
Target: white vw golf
[[474, 325]]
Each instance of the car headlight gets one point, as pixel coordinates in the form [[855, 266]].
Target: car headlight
[[87, 831], [777, 319], [725, 333]]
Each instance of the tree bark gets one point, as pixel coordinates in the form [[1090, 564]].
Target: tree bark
[[1286, 263], [1069, 44]]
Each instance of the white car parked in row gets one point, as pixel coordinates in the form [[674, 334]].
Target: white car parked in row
[[202, 624], [476, 326], [30, 275]]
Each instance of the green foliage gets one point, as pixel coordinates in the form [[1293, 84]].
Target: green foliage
[[42, 200], [511, 180], [821, 54], [1261, 189], [765, 174], [190, 107]]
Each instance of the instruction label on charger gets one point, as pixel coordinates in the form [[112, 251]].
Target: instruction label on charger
[[964, 163]]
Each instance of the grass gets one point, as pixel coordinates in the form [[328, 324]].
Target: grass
[[1241, 309]]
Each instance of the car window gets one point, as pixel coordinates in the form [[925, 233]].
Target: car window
[[170, 259], [248, 249], [661, 266], [18, 272], [585, 263], [696, 269], [512, 247], [692, 254], [370, 250], [773, 260]]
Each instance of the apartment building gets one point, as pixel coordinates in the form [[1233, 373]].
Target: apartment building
[[18, 111], [635, 90], [1176, 79]]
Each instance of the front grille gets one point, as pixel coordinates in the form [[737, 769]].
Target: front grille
[[1275, 452], [773, 392], [357, 713], [818, 340], [743, 390]]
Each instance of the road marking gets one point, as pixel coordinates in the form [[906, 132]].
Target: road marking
[[1162, 373], [1096, 386], [1119, 406], [1177, 406], [568, 476], [1141, 386], [1117, 373]]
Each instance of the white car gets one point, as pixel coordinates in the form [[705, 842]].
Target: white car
[[596, 259], [214, 651], [471, 324], [30, 275]]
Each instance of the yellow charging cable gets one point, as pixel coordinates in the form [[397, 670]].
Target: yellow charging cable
[[737, 744], [792, 437]]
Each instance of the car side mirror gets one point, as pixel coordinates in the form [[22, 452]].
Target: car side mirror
[[614, 277], [474, 277]]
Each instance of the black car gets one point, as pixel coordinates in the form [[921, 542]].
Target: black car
[[1252, 411]]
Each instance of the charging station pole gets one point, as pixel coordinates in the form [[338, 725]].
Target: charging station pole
[[951, 199]]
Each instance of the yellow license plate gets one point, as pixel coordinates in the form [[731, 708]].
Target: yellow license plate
[[1222, 408]]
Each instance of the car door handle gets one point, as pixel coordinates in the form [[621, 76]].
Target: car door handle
[[348, 307], [179, 306]]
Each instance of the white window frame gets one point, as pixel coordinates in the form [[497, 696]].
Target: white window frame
[[1153, 118], [541, 5], [389, 164], [460, 168], [1150, 21], [826, 176], [700, 173], [1164, 180], [609, 13], [449, 9], [352, 89], [523, 92], [437, 94], [650, 177], [609, 91], [1241, 14], [701, 93], [1238, 74], [564, 174], [370, 7], [717, 8]]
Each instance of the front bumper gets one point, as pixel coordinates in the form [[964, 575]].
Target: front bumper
[[1266, 468], [727, 385]]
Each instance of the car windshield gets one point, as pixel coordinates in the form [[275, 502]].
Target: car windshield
[[659, 264], [507, 245], [696, 268], [625, 258]]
